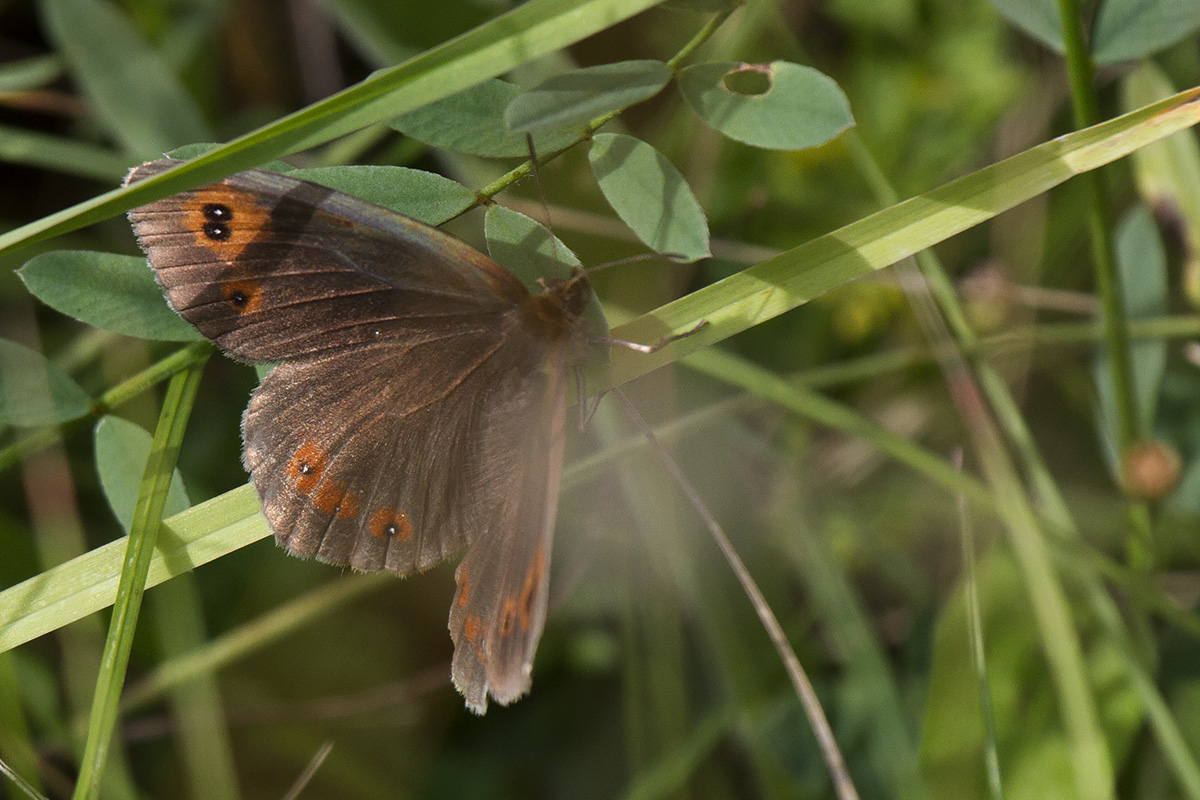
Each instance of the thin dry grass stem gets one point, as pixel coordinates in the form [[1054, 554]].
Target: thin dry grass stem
[[975, 634], [313, 765], [834, 762], [22, 784]]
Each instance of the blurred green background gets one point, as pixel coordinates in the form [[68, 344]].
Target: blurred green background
[[654, 678]]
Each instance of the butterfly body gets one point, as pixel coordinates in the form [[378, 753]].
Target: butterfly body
[[417, 408]]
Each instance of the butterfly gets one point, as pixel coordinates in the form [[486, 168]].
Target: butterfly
[[417, 407]]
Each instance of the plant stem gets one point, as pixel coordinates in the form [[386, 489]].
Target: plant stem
[[147, 518]]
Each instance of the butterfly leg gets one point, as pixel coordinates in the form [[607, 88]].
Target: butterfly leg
[[656, 346]]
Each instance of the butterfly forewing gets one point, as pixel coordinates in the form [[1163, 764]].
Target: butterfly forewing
[[271, 267]]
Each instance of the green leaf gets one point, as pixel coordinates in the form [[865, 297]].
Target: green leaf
[[35, 392], [521, 35], [525, 247], [196, 149], [1124, 29], [128, 84], [388, 33], [800, 274], [58, 153], [472, 122], [1168, 173], [29, 73], [799, 107], [574, 98], [109, 291], [649, 195], [1130, 29], [122, 449], [1036, 762], [426, 196], [1038, 18]]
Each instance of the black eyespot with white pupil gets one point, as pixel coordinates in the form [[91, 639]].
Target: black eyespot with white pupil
[[305, 467], [390, 529], [217, 216]]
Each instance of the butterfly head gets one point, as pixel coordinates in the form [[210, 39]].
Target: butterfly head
[[554, 313]]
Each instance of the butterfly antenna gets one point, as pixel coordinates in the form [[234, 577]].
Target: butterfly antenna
[[536, 169], [834, 761]]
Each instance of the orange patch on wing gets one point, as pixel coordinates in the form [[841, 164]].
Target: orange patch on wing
[[472, 627], [225, 220], [244, 295], [508, 615], [464, 588], [532, 579], [387, 521], [306, 467], [334, 498]]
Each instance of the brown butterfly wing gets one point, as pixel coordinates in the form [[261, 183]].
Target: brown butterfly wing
[[499, 610], [419, 404], [387, 477], [271, 267]]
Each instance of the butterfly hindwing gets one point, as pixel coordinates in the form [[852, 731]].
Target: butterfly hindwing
[[499, 609]]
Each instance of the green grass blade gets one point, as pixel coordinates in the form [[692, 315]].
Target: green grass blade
[[73, 590], [177, 405], [529, 31], [204, 744], [17, 747], [796, 276]]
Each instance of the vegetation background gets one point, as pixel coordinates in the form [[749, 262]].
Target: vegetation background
[[654, 678]]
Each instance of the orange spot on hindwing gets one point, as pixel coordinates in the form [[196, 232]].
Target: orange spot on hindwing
[[472, 627], [532, 579], [464, 588], [508, 615], [307, 472], [387, 521], [306, 467], [332, 497]]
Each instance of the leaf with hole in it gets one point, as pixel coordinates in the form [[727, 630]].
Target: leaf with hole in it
[[422, 195], [472, 122], [129, 86], [574, 98], [35, 392], [122, 449], [788, 107], [649, 195], [109, 291]]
